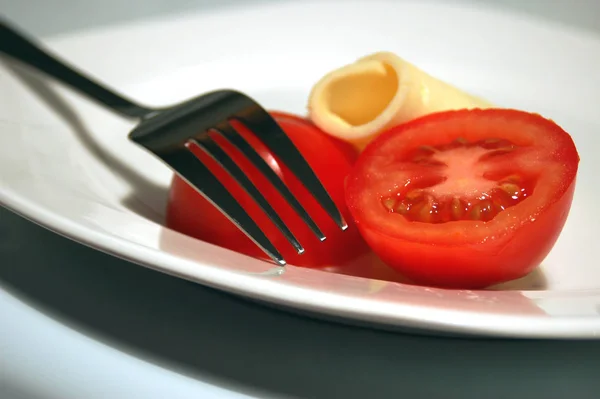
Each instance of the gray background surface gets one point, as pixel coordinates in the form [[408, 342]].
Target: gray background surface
[[76, 323], [43, 17]]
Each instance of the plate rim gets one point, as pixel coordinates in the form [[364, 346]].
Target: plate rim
[[555, 327], [588, 327]]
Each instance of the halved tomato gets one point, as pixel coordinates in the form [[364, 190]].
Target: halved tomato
[[465, 198]]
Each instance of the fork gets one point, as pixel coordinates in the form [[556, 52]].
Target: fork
[[169, 132]]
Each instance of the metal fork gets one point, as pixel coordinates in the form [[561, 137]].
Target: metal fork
[[168, 133]]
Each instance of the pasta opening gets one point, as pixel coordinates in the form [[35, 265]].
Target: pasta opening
[[359, 98]]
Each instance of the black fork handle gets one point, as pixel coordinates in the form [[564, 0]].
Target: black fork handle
[[17, 46]]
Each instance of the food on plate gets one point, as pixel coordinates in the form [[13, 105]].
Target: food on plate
[[439, 187], [464, 198], [359, 101], [331, 159]]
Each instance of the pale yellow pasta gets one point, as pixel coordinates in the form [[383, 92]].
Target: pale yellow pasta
[[358, 101]]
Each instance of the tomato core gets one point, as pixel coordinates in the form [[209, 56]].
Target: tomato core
[[457, 187]]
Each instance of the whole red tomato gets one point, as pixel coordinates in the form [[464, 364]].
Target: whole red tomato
[[465, 198], [331, 159]]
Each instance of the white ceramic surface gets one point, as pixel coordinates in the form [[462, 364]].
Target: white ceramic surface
[[67, 164]]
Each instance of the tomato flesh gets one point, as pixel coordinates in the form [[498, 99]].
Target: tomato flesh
[[190, 213], [459, 188], [465, 198]]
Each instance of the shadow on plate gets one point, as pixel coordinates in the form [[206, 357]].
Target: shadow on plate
[[141, 187], [534, 281], [204, 333]]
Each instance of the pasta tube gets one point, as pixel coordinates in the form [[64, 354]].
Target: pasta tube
[[358, 101]]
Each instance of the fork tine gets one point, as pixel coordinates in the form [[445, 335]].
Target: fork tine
[[230, 133], [201, 178], [270, 133], [219, 155]]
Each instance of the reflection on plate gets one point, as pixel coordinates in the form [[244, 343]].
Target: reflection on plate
[[67, 164]]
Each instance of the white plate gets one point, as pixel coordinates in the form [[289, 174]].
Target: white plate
[[66, 163]]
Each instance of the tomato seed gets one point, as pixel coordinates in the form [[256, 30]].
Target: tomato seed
[[419, 205], [512, 189], [389, 203], [413, 195], [511, 179], [402, 208], [457, 209], [483, 210], [424, 213]]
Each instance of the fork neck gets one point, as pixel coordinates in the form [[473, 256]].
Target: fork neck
[[24, 50]]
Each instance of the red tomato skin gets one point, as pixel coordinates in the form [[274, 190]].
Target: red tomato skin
[[463, 264], [331, 159], [477, 265]]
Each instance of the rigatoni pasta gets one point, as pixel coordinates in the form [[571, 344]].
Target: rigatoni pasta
[[358, 101]]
